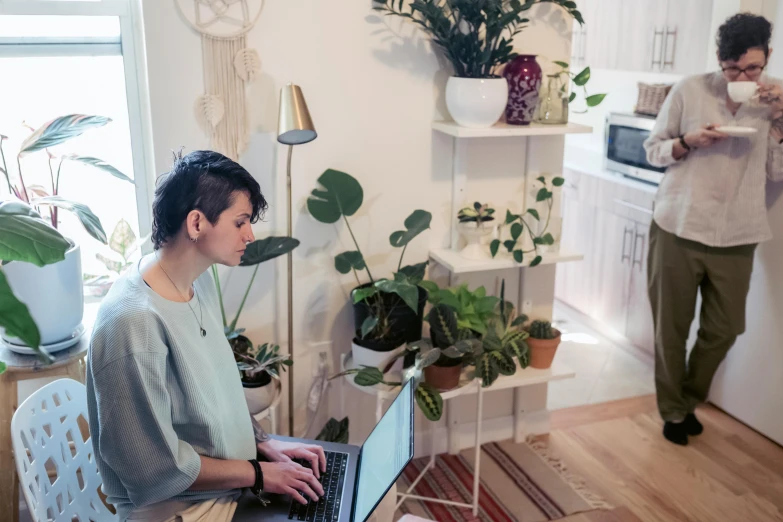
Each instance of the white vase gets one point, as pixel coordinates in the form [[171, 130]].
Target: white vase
[[361, 356], [476, 102], [53, 293], [475, 248], [259, 398]]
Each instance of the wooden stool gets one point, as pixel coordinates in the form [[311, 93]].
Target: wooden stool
[[67, 363]]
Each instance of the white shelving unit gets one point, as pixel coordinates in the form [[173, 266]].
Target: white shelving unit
[[504, 130], [456, 264]]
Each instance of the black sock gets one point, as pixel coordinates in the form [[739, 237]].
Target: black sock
[[692, 425], [675, 432]]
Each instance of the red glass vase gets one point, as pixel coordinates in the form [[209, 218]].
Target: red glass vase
[[524, 79]]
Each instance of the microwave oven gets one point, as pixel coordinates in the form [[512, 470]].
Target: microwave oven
[[624, 148]]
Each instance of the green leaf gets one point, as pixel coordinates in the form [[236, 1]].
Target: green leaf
[[572, 97], [538, 240], [2, 368], [578, 17], [368, 376], [409, 293], [334, 431], [25, 236], [542, 179], [494, 246], [542, 195], [582, 78], [533, 212], [562, 64], [60, 130], [89, 221], [536, 261], [558, 182], [368, 325], [100, 164], [510, 218], [122, 238], [348, 261], [519, 321], [443, 326], [430, 401], [341, 196], [569, 5], [262, 250], [110, 264], [595, 100], [510, 244], [516, 231], [518, 256], [415, 224], [413, 274], [360, 294], [487, 369], [15, 316], [548, 239], [504, 362], [431, 287]]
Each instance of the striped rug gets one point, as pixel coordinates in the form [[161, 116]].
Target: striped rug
[[519, 482]]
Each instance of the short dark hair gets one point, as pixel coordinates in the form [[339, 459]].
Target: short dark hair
[[743, 32], [202, 180]]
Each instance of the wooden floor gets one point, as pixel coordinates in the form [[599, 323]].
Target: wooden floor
[[729, 473]]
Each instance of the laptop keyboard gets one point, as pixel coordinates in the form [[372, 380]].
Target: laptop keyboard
[[327, 509]]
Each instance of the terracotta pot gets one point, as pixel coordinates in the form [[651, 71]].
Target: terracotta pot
[[542, 351], [524, 81], [443, 377]]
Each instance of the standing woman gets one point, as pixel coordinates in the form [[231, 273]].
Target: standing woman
[[173, 437], [710, 213]]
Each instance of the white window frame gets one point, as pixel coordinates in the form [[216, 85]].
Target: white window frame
[[130, 45]]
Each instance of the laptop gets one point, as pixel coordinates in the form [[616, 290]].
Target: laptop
[[356, 478]]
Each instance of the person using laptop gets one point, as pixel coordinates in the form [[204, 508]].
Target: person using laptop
[[710, 212], [172, 434]]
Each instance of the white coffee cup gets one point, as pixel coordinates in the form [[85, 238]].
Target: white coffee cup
[[741, 92]]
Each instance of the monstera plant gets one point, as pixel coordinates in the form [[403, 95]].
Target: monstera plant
[[24, 237], [387, 312]]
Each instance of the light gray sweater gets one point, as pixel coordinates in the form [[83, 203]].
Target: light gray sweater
[[159, 395]]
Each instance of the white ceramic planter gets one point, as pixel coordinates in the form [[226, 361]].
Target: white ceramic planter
[[476, 102], [475, 249], [260, 398], [53, 293], [362, 356]]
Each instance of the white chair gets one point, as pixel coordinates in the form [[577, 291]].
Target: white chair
[[55, 457]]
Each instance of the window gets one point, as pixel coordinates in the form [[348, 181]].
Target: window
[[60, 57]]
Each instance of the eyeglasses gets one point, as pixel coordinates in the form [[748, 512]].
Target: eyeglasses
[[750, 70]]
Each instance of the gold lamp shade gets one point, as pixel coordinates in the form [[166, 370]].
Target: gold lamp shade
[[294, 125]]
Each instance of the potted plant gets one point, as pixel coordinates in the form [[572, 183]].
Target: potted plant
[[387, 312], [554, 98], [477, 39], [543, 342], [59, 309], [474, 225], [25, 237], [473, 309], [258, 366]]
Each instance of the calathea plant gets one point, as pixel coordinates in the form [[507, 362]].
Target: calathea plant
[[476, 36], [339, 197], [518, 224]]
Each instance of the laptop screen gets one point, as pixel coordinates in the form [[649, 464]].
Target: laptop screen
[[385, 453]]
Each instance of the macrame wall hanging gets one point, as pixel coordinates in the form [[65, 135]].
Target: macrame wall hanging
[[228, 64]]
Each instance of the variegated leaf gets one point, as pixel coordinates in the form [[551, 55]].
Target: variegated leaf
[[60, 130]]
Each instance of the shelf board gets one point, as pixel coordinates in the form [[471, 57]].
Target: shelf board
[[459, 265], [501, 130]]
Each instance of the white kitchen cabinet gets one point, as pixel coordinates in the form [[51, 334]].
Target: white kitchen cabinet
[[597, 43], [685, 46], [639, 327]]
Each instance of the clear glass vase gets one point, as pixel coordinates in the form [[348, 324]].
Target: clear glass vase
[[553, 100]]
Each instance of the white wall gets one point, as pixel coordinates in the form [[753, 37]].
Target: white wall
[[373, 86]]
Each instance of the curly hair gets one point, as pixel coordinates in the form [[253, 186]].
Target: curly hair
[[742, 32], [202, 180]]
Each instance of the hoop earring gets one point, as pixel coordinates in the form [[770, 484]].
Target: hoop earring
[[194, 239]]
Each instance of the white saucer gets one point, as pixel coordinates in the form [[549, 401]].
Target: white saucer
[[51, 348], [737, 132]]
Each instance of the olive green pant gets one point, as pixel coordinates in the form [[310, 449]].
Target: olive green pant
[[676, 270]]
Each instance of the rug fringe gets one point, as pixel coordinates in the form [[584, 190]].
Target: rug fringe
[[576, 482]]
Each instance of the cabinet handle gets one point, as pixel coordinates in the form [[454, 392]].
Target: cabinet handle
[[653, 63], [625, 237], [640, 259], [666, 34]]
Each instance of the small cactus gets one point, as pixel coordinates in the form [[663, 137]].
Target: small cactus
[[541, 330]]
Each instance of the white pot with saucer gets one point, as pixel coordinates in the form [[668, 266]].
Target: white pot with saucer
[[474, 235], [55, 297]]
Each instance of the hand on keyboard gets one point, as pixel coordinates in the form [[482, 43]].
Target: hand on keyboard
[[289, 478]]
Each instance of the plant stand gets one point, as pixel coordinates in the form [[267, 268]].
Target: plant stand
[[271, 412], [530, 415]]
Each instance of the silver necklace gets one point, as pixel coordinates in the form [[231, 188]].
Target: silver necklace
[[201, 310]]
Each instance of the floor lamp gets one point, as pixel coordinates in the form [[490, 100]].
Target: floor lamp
[[294, 127]]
